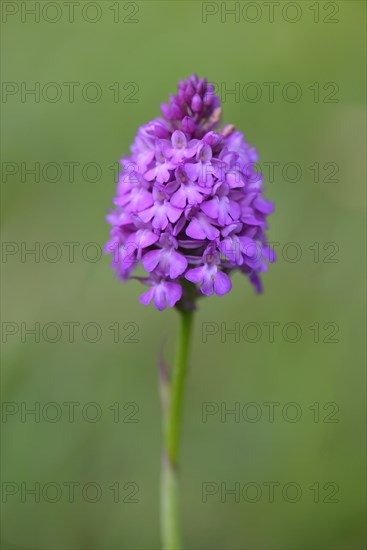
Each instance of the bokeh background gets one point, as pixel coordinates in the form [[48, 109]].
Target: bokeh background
[[319, 288]]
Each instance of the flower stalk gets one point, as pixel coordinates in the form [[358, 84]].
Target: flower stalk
[[172, 410]]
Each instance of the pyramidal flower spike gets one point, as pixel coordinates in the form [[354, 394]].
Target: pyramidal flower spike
[[188, 179], [189, 210]]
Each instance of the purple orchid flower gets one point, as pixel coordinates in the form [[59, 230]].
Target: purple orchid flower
[[165, 261], [178, 148], [211, 278], [161, 212], [161, 170], [188, 191], [162, 293], [204, 169]]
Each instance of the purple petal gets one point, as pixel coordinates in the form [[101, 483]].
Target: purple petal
[[178, 265], [146, 298], [150, 175], [163, 174], [256, 281], [251, 220], [234, 210], [147, 215], [191, 148], [264, 206], [222, 283], [231, 249], [173, 293], [150, 260], [178, 199], [235, 180], [250, 248], [196, 275], [205, 152], [193, 171], [173, 213], [178, 139], [145, 237], [159, 297], [207, 287], [142, 200], [194, 197], [213, 139], [160, 220], [269, 254], [210, 208], [210, 232], [206, 172], [195, 231], [166, 148]]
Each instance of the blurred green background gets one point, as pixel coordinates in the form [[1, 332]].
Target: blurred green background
[[168, 42]]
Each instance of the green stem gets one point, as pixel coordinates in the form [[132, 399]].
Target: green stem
[[171, 533]]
